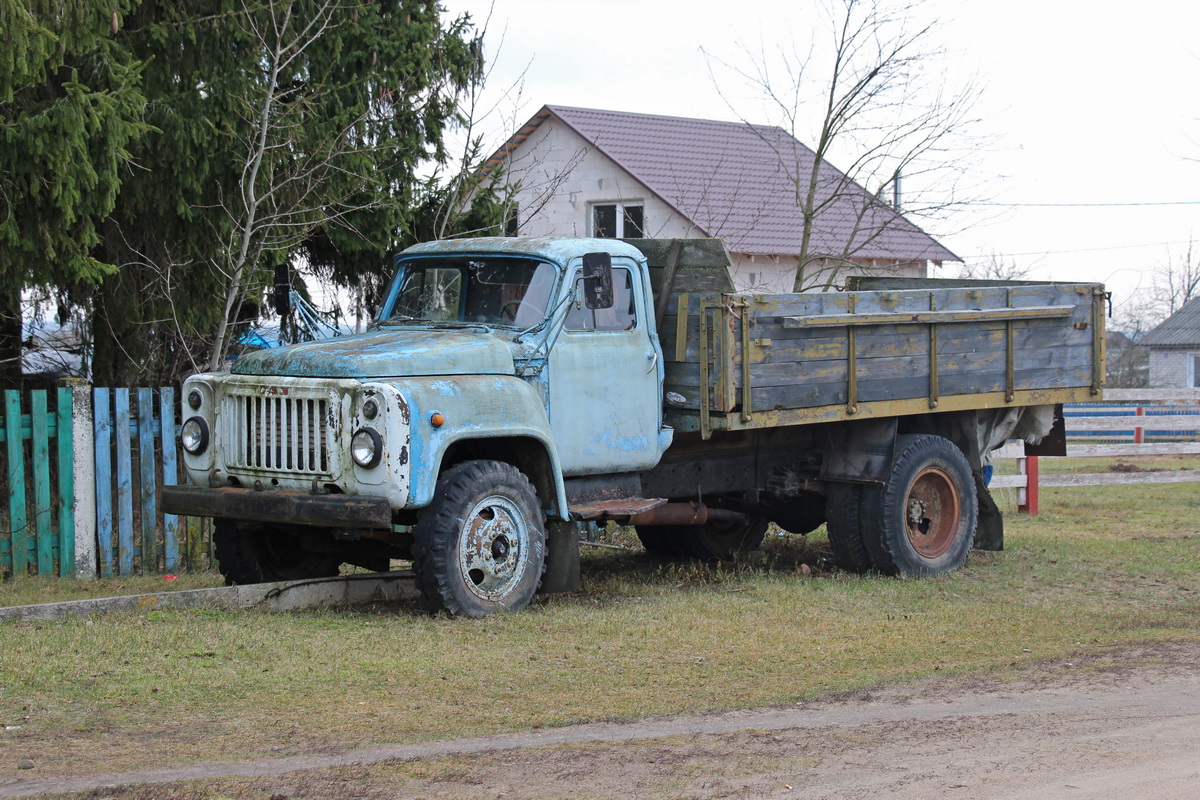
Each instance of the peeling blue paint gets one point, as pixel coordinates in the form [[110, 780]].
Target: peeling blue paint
[[385, 354]]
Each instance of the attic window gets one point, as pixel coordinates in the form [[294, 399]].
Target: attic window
[[618, 221]]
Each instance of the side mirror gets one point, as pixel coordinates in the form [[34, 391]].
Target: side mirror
[[597, 280]]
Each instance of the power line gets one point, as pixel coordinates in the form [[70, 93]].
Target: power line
[[1084, 250], [1087, 205]]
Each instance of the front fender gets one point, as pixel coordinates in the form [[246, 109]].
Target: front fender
[[473, 407]]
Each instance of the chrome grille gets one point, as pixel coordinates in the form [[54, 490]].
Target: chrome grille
[[278, 434]]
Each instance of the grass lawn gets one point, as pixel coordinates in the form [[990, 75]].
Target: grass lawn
[[1100, 568]]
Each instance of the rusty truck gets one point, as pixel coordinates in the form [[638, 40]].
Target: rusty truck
[[511, 389]]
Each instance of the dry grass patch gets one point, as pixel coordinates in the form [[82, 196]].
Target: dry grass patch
[[641, 638]]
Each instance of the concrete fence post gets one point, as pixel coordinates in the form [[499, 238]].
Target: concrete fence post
[[83, 444]]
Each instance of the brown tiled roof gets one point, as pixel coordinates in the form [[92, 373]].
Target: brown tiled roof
[[1181, 329], [734, 181]]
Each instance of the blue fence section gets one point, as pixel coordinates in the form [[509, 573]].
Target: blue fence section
[[135, 455], [1150, 433]]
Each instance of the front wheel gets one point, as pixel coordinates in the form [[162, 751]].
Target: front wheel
[[256, 553], [479, 547], [922, 521]]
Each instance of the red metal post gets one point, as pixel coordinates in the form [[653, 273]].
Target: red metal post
[[1137, 432], [1030, 506]]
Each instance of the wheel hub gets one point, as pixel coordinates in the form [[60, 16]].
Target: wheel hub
[[493, 548], [933, 512]]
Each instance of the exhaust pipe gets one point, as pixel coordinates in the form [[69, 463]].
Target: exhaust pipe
[[682, 514]]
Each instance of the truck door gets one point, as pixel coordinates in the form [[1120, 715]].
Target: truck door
[[605, 382]]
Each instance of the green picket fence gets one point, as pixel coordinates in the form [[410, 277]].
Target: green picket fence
[[37, 523], [82, 475]]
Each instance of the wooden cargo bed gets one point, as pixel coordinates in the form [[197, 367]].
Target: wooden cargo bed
[[751, 360]]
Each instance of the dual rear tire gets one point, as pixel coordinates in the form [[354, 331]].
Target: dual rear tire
[[921, 522]]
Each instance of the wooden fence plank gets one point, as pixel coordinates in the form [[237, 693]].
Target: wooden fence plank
[[1118, 478], [1152, 395], [1173, 422], [102, 425], [1156, 449], [39, 440], [64, 442], [171, 526], [147, 479], [18, 522], [126, 549]]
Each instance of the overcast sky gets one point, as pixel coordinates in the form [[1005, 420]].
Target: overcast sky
[[1087, 101]]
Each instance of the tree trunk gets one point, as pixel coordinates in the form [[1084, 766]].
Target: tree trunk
[[10, 337], [119, 348]]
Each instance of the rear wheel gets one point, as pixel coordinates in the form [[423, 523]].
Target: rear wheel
[[479, 547], [658, 540], [923, 520], [844, 525], [720, 541], [258, 553]]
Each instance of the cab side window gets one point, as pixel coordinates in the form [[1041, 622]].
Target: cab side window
[[621, 317]]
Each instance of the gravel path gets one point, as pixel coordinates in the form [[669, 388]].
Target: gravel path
[[1127, 725]]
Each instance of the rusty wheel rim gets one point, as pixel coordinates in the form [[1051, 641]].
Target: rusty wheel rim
[[932, 512], [493, 548]]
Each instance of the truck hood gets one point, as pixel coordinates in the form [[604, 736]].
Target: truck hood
[[384, 354]]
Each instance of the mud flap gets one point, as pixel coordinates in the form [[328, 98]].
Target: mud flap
[[989, 533], [562, 557]]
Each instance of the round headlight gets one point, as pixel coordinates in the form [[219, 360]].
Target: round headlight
[[194, 435], [370, 409], [195, 399], [366, 447]]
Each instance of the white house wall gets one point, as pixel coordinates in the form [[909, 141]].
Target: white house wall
[[776, 274], [562, 177]]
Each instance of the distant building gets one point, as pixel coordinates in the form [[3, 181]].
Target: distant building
[[585, 172], [1175, 349]]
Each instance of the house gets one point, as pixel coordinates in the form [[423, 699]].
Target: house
[[1174, 347], [584, 172]]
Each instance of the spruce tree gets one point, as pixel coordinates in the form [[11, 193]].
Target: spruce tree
[[325, 135], [70, 108]]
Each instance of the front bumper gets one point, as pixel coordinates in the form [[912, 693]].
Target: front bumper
[[298, 508]]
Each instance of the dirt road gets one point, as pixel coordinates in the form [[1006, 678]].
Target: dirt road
[[1125, 726]]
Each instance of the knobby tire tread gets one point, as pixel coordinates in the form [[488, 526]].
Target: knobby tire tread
[[434, 560]]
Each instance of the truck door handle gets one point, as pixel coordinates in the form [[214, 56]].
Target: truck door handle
[[652, 357]]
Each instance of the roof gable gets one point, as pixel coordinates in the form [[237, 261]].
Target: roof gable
[[1180, 329], [732, 181]]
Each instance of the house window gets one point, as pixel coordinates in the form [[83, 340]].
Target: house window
[[618, 221], [1193, 378]]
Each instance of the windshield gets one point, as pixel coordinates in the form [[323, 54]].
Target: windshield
[[494, 291]]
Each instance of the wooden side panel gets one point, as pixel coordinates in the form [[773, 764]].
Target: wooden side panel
[[987, 338]]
